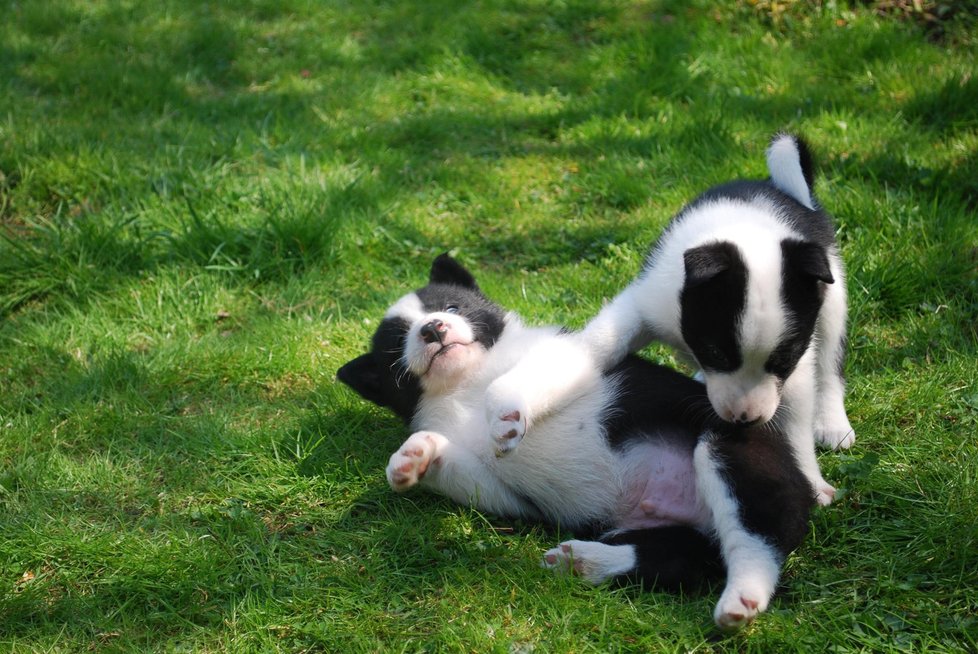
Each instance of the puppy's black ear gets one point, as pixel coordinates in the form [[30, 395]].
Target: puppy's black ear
[[808, 259], [705, 262], [446, 270], [364, 376]]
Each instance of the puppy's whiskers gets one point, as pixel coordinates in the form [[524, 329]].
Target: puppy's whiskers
[[400, 370]]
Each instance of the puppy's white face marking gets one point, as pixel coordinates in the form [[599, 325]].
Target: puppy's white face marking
[[439, 347], [752, 394], [407, 308], [733, 325]]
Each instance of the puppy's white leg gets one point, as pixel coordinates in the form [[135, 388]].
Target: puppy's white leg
[[553, 374], [593, 561], [832, 427], [753, 565], [507, 408], [798, 398], [409, 464], [550, 376], [620, 328], [430, 460]]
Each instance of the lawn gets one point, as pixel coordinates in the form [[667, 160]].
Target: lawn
[[205, 208]]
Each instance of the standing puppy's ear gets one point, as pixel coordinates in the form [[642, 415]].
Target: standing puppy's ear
[[364, 376], [807, 259], [446, 270], [705, 262]]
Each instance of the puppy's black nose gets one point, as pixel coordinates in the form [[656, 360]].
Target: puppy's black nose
[[744, 420], [433, 331]]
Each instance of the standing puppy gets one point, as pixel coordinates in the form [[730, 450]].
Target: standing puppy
[[747, 282]]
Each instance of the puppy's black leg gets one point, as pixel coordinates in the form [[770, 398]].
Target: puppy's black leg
[[670, 558], [761, 503], [774, 497], [664, 558]]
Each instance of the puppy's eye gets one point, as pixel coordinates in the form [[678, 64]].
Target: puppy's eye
[[451, 308], [716, 355]]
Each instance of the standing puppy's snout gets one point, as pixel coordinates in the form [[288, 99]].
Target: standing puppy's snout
[[434, 331], [740, 417], [745, 420]]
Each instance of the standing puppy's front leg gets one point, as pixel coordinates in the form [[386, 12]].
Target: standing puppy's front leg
[[832, 427], [798, 400]]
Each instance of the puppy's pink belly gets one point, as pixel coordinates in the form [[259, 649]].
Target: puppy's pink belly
[[664, 495]]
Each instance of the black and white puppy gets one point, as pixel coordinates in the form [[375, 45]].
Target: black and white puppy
[[634, 454], [747, 282]]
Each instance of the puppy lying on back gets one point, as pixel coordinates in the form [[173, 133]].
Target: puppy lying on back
[[633, 454], [747, 283]]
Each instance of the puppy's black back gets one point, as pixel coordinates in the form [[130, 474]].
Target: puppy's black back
[[653, 401], [813, 225]]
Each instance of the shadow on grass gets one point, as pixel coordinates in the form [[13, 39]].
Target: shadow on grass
[[187, 80], [113, 558], [194, 71]]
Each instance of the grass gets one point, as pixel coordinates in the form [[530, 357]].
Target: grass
[[206, 207]]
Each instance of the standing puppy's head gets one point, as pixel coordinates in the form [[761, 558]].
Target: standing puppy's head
[[429, 341], [748, 318], [749, 304]]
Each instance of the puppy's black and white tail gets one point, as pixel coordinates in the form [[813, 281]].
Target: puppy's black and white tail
[[790, 164]]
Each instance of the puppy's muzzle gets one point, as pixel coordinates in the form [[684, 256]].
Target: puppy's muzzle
[[744, 420], [434, 331]]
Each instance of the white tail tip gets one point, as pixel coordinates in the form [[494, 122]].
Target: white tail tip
[[784, 161]]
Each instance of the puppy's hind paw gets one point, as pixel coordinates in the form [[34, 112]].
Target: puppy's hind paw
[[593, 561], [738, 607]]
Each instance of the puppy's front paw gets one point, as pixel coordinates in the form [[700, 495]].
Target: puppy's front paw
[[738, 606], [508, 418], [824, 493], [835, 434], [410, 463], [507, 430]]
